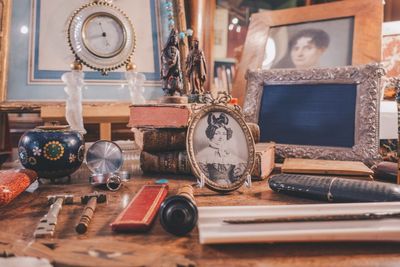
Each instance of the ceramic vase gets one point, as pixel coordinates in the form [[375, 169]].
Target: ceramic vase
[[51, 151]]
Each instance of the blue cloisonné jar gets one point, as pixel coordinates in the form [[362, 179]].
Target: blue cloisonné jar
[[51, 151]]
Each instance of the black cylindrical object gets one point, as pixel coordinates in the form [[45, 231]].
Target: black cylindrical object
[[334, 189], [178, 214]]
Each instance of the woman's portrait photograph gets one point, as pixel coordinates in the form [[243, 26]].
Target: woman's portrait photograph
[[311, 44], [221, 149]]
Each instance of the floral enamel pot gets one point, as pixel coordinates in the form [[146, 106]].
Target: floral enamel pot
[[51, 151]]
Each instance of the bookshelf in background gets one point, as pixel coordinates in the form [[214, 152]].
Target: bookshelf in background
[[224, 74]]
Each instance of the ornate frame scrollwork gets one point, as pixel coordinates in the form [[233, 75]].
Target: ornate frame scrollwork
[[368, 80], [220, 104]]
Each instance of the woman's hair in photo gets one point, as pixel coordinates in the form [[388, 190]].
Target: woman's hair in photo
[[319, 37], [214, 123]]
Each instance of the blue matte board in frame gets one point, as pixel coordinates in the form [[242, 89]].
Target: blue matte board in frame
[[309, 114]]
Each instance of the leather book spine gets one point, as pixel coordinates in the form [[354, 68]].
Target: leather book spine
[[158, 140], [160, 116], [13, 183], [175, 162], [142, 210]]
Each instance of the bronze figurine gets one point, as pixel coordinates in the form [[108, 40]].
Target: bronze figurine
[[171, 73], [196, 69]]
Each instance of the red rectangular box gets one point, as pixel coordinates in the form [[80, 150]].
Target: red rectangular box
[[141, 211]]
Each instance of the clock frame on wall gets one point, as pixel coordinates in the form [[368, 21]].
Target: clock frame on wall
[[101, 36]]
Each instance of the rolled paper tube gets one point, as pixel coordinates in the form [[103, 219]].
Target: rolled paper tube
[[187, 191], [178, 214], [13, 183]]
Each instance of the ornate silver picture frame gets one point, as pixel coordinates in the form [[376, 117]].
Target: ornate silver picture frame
[[220, 147], [363, 128]]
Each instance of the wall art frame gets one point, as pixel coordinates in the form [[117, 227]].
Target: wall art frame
[[40, 87], [368, 18], [366, 78], [390, 51]]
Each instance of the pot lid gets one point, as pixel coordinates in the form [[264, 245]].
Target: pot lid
[[104, 157]]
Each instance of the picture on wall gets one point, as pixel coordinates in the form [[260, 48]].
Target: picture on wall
[[335, 34], [313, 44]]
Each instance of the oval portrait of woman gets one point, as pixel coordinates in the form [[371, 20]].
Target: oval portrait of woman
[[220, 147]]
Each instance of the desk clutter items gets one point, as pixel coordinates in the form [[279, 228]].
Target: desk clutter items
[[220, 146], [142, 210], [177, 162], [47, 224], [104, 159], [51, 151], [130, 166], [298, 223], [91, 201], [347, 169], [178, 213], [264, 160], [334, 189], [160, 133], [13, 183]]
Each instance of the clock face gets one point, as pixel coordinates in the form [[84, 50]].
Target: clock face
[[103, 35]]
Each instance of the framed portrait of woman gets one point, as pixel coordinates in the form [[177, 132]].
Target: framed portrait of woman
[[336, 34], [220, 147]]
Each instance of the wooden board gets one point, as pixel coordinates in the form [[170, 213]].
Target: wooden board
[[214, 230], [104, 114], [330, 167], [92, 113]]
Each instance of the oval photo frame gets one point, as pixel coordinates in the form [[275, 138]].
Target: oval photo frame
[[220, 148]]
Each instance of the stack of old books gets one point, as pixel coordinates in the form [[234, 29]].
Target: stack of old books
[[160, 133]]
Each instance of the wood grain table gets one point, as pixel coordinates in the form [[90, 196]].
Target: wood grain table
[[101, 247]]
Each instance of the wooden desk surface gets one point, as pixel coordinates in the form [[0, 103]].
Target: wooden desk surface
[[101, 247]]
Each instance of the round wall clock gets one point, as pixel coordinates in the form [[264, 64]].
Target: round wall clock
[[101, 36]]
